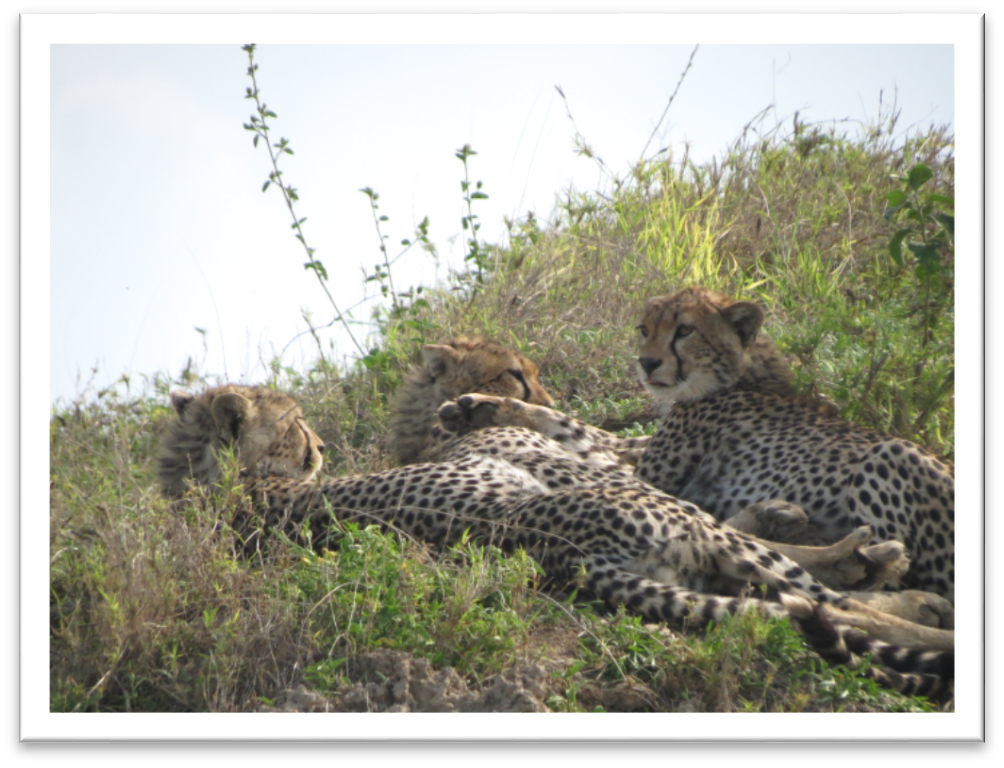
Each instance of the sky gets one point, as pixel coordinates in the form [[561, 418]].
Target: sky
[[142, 208]]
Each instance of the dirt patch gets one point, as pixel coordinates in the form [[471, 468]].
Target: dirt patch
[[393, 681]]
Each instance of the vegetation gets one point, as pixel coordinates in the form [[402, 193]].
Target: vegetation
[[846, 239]]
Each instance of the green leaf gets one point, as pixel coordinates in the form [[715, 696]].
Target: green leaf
[[896, 198], [375, 360], [384, 218], [889, 213], [896, 246], [479, 196], [928, 260], [948, 222], [265, 185], [256, 141], [919, 175], [935, 198], [318, 268]]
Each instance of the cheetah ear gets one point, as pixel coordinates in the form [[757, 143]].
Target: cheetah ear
[[438, 358], [180, 401], [747, 318], [230, 411]]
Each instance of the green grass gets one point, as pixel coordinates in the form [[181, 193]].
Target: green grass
[[151, 611]]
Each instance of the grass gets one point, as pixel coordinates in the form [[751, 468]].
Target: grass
[[151, 611]]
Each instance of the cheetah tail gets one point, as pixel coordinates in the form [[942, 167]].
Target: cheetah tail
[[913, 671], [657, 601]]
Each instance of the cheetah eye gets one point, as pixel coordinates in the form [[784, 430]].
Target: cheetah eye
[[643, 331], [682, 331]]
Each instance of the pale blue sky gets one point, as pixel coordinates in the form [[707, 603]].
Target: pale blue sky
[[135, 165]]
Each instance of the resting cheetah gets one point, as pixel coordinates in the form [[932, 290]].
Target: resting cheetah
[[732, 438], [628, 544], [734, 435], [491, 370]]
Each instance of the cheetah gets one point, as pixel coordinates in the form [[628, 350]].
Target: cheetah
[[616, 538], [418, 431], [733, 434]]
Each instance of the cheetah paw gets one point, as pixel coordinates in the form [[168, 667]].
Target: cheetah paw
[[775, 520], [470, 412]]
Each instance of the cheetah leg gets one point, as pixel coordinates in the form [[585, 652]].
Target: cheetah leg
[[888, 628], [842, 565], [613, 582], [840, 609], [476, 411], [925, 608], [850, 563]]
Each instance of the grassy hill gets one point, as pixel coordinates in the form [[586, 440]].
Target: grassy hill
[[150, 611]]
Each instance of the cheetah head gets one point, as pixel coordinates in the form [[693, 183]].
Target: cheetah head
[[457, 367], [463, 365], [266, 429], [696, 342]]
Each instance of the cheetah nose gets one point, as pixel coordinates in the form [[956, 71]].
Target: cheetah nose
[[649, 364]]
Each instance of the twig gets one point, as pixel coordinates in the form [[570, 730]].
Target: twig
[[665, 112], [288, 193]]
